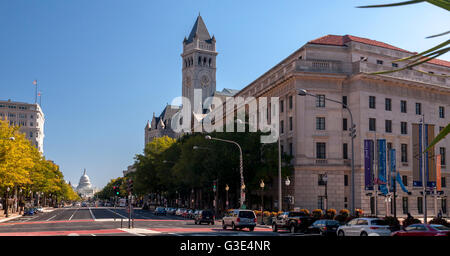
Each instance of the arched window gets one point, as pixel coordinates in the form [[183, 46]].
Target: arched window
[[199, 60], [204, 61], [210, 62]]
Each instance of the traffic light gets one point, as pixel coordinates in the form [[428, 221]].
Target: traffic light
[[215, 186], [116, 190], [130, 186]]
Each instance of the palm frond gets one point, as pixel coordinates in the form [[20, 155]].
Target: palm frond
[[441, 34], [439, 137], [391, 5]]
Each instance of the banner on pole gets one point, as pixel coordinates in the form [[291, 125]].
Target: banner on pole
[[368, 164], [392, 165], [417, 154], [382, 165], [438, 173], [430, 162]]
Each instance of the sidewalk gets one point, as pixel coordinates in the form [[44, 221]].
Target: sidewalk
[[16, 215]]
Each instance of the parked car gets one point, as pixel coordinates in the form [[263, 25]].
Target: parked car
[[29, 212], [323, 227], [84, 204], [160, 211], [239, 219], [423, 230], [185, 213], [204, 216], [292, 221], [39, 210], [179, 211], [365, 227]]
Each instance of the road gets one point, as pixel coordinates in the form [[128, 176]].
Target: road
[[109, 221]]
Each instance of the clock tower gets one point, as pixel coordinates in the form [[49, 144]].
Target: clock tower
[[199, 62]]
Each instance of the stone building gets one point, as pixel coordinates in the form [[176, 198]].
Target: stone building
[[84, 188], [198, 72], [29, 117], [316, 131]]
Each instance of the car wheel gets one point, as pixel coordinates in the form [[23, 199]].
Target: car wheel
[[251, 229], [274, 228], [223, 225], [233, 226], [363, 233], [195, 222], [341, 233], [292, 229]]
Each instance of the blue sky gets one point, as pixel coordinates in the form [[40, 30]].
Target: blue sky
[[104, 66]]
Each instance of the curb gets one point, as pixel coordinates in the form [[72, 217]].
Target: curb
[[10, 218]]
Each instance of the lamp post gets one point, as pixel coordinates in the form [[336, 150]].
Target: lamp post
[[6, 202], [352, 134], [226, 189], [287, 182], [262, 202], [241, 166], [325, 179]]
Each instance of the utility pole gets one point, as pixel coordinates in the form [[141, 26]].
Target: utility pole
[[424, 190]]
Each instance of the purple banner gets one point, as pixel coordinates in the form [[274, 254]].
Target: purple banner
[[368, 164]]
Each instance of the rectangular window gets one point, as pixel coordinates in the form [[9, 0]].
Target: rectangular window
[[394, 65], [404, 127], [418, 109], [320, 101], [442, 153], [344, 124], [320, 202], [405, 205], [320, 180], [379, 62], [404, 148], [344, 101], [389, 145], [372, 124], [346, 180], [371, 101], [443, 182], [31, 134], [405, 180], [388, 125], [291, 152], [281, 126], [320, 123], [441, 112], [420, 205], [444, 205], [345, 151], [281, 106], [388, 104], [290, 123], [403, 106], [290, 102], [320, 150]]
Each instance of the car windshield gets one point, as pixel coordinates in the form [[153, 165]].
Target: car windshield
[[295, 214], [440, 227], [206, 213], [332, 223], [378, 222], [247, 214]]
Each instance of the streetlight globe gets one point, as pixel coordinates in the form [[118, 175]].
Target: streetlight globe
[[288, 181], [207, 137], [261, 184], [12, 138], [243, 186], [227, 188], [302, 92], [195, 147]]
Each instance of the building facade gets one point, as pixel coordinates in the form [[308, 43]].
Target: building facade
[[315, 131], [84, 188], [29, 117]]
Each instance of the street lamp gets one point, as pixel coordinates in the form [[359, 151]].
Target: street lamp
[[262, 202], [241, 165], [303, 92], [279, 169], [287, 182], [325, 179], [226, 189], [6, 202]]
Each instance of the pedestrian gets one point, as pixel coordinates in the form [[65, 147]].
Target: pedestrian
[[439, 214]]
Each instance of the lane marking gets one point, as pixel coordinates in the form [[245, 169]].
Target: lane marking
[[61, 212], [117, 214], [139, 231], [92, 215], [73, 214], [44, 222], [63, 232]]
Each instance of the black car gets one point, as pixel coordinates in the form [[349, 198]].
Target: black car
[[323, 227], [292, 221], [204, 216]]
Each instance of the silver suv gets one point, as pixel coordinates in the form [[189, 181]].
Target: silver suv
[[239, 219], [365, 227]]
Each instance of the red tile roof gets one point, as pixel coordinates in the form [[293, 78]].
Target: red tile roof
[[343, 40]]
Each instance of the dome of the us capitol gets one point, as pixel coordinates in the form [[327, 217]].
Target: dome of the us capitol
[[84, 187]]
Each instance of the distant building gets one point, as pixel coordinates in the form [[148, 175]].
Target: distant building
[[198, 72], [84, 187], [129, 169], [29, 117]]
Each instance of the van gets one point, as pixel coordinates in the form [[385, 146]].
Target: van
[[239, 219]]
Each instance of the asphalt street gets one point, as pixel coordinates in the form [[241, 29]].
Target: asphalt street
[[107, 221]]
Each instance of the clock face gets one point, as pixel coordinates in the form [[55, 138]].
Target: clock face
[[204, 80]]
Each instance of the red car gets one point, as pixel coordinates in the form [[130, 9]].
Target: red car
[[423, 230]]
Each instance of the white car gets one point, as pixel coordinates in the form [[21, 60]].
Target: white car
[[365, 227]]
